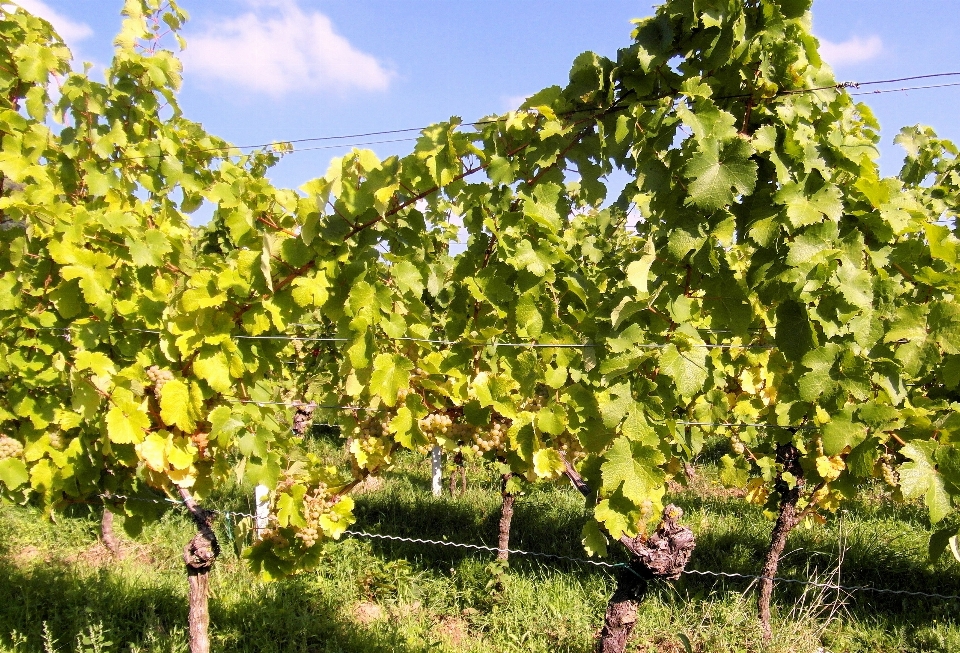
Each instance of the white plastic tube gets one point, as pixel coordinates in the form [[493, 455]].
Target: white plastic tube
[[436, 459], [262, 498]]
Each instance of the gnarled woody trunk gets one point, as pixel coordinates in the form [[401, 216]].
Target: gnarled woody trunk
[[107, 536], [789, 457], [199, 556], [664, 555]]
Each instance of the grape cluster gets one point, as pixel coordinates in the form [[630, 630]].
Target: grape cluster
[[372, 427], [159, 378], [302, 417], [274, 537], [533, 404], [436, 424], [737, 446], [9, 448], [889, 474], [202, 442], [490, 439], [314, 507], [403, 393]]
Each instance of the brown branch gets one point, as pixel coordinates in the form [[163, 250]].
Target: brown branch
[[560, 156], [274, 225]]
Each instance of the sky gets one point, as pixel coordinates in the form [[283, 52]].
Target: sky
[[258, 71]]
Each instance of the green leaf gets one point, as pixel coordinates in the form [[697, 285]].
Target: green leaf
[[529, 320], [938, 543], [634, 469], [718, 175], [547, 463], [151, 250], [175, 406], [594, 541], [97, 362], [552, 419], [211, 366], [618, 515], [638, 272], [391, 372], [920, 478], [127, 426], [841, 433], [856, 285], [687, 369], [311, 291], [734, 472], [806, 208], [223, 425], [13, 473], [408, 278]]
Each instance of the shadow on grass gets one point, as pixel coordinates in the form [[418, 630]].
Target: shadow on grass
[[550, 522], [291, 616], [544, 522]]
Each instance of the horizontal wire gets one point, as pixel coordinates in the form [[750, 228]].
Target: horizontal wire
[[295, 404], [490, 343], [343, 145], [908, 88], [837, 86], [302, 404], [479, 547], [797, 581], [744, 425], [554, 556], [697, 572], [293, 338], [174, 502]]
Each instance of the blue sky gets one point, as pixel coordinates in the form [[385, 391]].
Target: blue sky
[[264, 70]]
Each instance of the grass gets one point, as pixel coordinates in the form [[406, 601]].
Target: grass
[[65, 593]]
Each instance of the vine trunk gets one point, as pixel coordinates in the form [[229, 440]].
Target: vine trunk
[[199, 556], [789, 457], [107, 536]]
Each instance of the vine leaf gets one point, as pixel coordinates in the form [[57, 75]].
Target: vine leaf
[[719, 174], [688, 374]]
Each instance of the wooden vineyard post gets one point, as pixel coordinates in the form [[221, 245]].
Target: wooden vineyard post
[[663, 555], [506, 516], [199, 555]]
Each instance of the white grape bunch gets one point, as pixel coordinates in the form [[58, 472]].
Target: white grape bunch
[[889, 474], [314, 506], [10, 448], [492, 438], [372, 427], [159, 378]]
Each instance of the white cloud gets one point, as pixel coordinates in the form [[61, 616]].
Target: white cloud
[[511, 103], [279, 48], [69, 30], [852, 51]]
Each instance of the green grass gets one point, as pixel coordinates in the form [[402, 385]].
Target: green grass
[[63, 593]]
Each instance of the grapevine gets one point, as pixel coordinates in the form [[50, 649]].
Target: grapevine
[[774, 284]]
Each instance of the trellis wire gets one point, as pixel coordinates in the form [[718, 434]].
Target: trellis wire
[[435, 341], [302, 404], [554, 556], [173, 502], [622, 565]]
